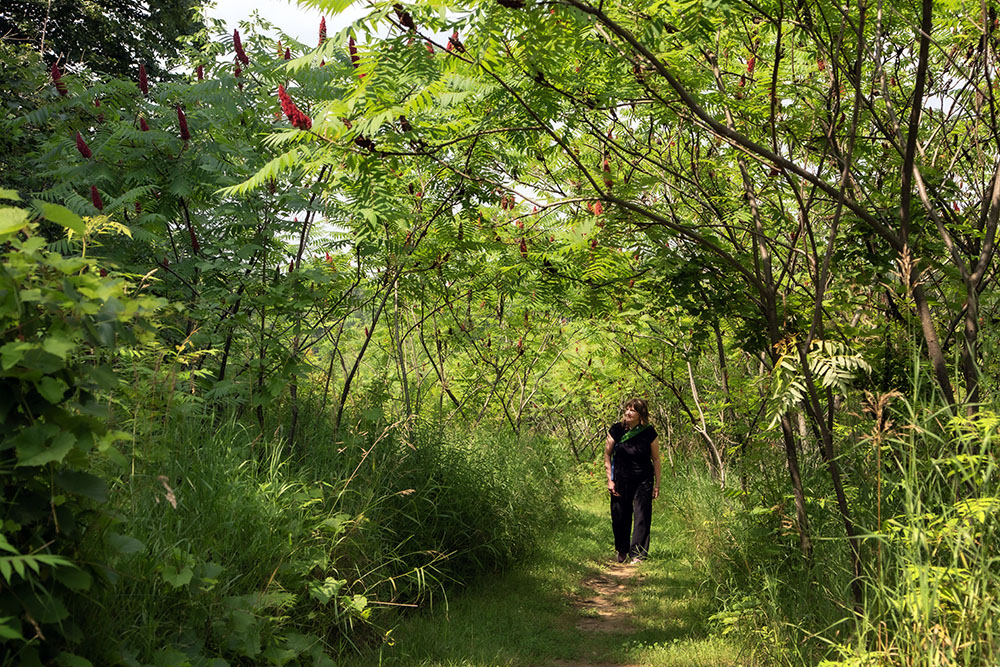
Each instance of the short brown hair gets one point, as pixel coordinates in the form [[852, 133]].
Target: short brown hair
[[640, 406]]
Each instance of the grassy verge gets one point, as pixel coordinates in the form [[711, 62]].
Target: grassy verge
[[222, 547], [526, 616]]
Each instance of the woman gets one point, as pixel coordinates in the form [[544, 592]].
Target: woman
[[632, 462]]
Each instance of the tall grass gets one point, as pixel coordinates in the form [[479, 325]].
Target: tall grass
[[934, 592], [925, 488], [226, 546]]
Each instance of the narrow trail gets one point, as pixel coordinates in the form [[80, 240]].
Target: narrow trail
[[570, 605], [606, 609]]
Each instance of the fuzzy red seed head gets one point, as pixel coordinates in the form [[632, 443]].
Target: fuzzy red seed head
[[143, 80], [97, 102], [241, 55], [288, 53], [286, 101], [430, 48], [605, 165], [404, 17], [524, 247], [57, 79], [200, 71], [95, 197], [238, 71], [143, 125], [183, 124], [751, 63], [82, 146], [352, 49], [322, 30], [302, 121], [598, 208]]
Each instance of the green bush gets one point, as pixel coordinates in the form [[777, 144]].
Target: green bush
[[59, 320]]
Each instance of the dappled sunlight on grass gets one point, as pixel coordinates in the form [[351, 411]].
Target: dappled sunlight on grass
[[531, 614]]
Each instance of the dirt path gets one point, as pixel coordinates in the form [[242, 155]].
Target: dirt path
[[605, 607]]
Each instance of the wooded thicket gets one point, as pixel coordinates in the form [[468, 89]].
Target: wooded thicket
[[776, 221]]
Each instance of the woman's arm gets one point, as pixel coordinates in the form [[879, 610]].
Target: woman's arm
[[654, 450], [609, 447]]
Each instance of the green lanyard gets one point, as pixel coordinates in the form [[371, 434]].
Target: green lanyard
[[631, 433]]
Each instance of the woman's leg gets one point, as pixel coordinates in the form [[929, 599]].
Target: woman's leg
[[621, 515], [642, 511]]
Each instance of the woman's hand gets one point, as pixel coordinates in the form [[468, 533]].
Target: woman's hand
[[611, 487], [656, 492]]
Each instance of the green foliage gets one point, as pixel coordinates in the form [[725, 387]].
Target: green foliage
[[104, 34], [240, 554], [831, 365], [59, 321], [557, 207]]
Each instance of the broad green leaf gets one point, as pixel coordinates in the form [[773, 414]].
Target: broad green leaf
[[12, 220], [58, 346], [124, 544], [82, 484], [9, 194], [40, 453], [73, 578], [324, 591], [171, 657], [175, 577], [10, 628], [72, 660], [51, 388], [62, 216]]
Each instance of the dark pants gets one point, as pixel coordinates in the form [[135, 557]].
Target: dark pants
[[631, 511]]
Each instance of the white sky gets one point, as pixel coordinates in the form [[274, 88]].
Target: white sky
[[299, 22]]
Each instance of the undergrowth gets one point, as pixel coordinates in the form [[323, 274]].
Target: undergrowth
[[231, 548], [927, 495]]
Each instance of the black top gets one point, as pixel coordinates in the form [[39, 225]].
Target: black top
[[633, 458]]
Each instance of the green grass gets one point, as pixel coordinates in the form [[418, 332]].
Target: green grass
[[526, 617], [223, 546]]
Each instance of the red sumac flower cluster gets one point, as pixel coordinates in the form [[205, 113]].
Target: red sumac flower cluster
[[81, 145], [57, 79], [95, 197], [183, 123], [241, 55], [295, 117]]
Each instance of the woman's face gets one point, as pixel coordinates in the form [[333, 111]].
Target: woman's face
[[632, 418]]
